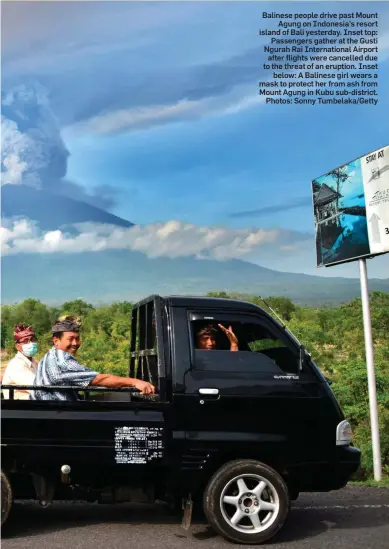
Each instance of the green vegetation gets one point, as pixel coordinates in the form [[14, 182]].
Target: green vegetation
[[334, 337]]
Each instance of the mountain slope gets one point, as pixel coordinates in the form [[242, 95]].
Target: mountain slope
[[110, 275], [52, 211], [124, 275]]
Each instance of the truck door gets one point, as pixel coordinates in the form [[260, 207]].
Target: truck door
[[255, 396]]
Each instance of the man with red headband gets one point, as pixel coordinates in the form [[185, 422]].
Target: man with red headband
[[21, 370]]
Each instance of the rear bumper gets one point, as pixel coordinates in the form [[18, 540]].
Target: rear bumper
[[331, 474]]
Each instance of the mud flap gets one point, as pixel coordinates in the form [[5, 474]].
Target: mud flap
[[187, 506]]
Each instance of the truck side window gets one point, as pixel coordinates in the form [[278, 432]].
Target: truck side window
[[259, 348]]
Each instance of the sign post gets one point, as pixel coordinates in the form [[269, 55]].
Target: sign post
[[375, 432], [351, 213]]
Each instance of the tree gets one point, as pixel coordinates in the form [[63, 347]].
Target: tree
[[31, 312], [34, 313], [6, 326], [334, 336], [340, 175], [283, 306], [77, 307], [218, 294]]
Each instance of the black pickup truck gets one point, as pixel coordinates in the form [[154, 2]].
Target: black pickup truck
[[239, 433]]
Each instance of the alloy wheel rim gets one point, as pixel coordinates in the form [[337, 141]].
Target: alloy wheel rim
[[249, 503]]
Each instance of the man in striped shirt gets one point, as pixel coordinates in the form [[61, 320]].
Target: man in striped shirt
[[60, 367]]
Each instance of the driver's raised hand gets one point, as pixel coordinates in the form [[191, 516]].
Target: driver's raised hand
[[231, 336]]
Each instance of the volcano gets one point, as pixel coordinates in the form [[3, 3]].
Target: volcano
[[52, 211], [117, 275]]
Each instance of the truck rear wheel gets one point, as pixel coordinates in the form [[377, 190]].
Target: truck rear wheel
[[6, 498], [246, 502]]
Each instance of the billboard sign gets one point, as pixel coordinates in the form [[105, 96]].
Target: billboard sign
[[351, 210]]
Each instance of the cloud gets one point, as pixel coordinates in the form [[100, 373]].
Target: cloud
[[126, 119], [69, 46], [383, 47], [33, 151], [291, 205], [14, 169], [138, 118], [104, 197], [172, 239], [223, 87], [25, 155], [82, 27], [151, 81]]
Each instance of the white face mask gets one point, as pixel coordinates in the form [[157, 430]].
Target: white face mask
[[30, 349]]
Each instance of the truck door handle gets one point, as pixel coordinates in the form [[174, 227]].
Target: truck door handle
[[208, 391], [209, 394]]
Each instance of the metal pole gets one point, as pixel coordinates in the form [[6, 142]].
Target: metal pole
[[375, 433]]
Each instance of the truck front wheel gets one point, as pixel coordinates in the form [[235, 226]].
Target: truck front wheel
[[246, 502], [6, 498]]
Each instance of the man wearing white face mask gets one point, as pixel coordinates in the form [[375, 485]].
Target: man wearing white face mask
[[22, 368]]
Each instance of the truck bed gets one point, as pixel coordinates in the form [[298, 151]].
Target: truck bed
[[90, 435]]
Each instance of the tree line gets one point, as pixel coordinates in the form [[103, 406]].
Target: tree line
[[334, 337]]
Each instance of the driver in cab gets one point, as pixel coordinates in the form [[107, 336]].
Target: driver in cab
[[206, 338]]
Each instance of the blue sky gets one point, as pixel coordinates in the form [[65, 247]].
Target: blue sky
[[157, 106]]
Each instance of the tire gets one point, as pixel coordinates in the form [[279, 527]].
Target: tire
[[6, 498], [225, 499]]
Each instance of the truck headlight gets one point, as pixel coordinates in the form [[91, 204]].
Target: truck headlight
[[344, 434]]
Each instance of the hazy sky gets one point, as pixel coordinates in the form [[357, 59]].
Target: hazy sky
[[157, 106]]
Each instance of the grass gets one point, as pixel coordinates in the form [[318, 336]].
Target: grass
[[384, 483]]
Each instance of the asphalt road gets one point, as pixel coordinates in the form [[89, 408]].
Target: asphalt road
[[350, 518]]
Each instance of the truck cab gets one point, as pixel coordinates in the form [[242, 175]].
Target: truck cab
[[238, 432]]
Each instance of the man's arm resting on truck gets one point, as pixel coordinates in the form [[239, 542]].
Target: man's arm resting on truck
[[111, 381]]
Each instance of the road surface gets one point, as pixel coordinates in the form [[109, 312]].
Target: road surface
[[355, 517]]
